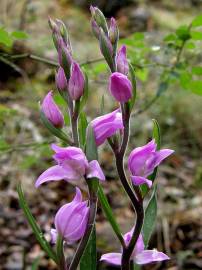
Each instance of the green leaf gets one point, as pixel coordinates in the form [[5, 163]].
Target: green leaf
[[170, 38], [19, 35], [183, 33], [196, 70], [150, 218], [142, 74], [55, 131], [185, 78], [35, 264], [156, 134], [102, 105], [196, 35], [89, 258], [196, 87], [197, 21], [138, 36], [5, 38], [133, 80], [109, 214], [83, 123], [91, 147], [35, 228]]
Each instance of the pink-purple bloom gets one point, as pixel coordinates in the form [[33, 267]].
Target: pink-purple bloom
[[143, 160], [121, 61], [120, 87], [72, 165], [52, 112], [139, 255], [76, 82], [107, 125], [60, 79], [71, 220]]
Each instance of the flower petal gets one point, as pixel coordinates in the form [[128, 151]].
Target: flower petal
[[156, 158], [54, 235], [112, 258], [138, 157], [148, 256], [138, 180], [54, 173], [94, 170]]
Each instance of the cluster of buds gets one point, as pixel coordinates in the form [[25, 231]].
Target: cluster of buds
[[69, 78], [77, 161]]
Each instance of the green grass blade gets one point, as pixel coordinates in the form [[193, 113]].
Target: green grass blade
[[35, 228], [109, 214]]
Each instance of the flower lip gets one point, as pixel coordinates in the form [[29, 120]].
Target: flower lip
[[143, 160]]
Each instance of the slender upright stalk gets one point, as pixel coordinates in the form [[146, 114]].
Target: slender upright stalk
[[135, 198], [83, 243], [60, 254]]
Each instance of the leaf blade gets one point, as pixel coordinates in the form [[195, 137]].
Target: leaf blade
[[35, 228]]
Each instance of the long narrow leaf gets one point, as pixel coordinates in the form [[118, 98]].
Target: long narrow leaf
[[89, 258], [109, 214], [55, 131], [133, 80], [35, 228], [150, 218]]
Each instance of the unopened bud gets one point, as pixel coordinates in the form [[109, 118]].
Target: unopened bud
[[121, 61], [95, 29], [113, 31], [52, 112], [64, 57], [99, 17], [76, 82], [106, 49]]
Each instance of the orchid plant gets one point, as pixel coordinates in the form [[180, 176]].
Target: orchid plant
[[77, 158]]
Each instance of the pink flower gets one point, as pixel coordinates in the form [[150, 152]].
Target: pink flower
[[71, 220], [121, 61], [143, 160], [60, 79], [139, 255], [76, 82], [52, 112], [71, 166], [106, 125], [120, 87]]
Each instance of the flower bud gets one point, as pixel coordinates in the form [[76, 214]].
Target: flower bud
[[120, 87], [99, 17], [76, 82], [106, 49], [113, 31], [121, 61], [64, 57], [71, 219], [52, 112], [60, 80], [95, 29], [63, 31]]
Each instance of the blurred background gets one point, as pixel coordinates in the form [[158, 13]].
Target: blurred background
[[166, 54]]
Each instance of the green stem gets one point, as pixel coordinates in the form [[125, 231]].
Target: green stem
[[90, 225], [60, 253]]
